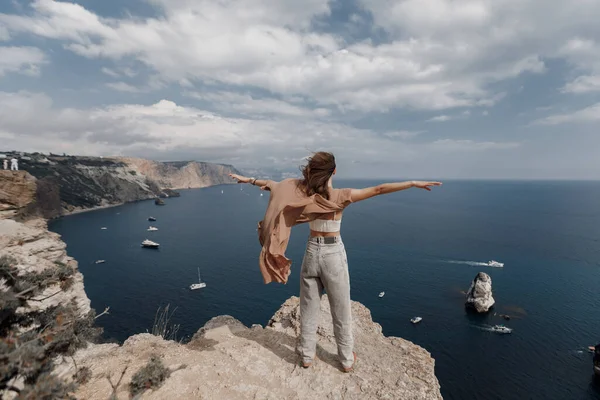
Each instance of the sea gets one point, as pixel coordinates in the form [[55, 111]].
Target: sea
[[422, 248]]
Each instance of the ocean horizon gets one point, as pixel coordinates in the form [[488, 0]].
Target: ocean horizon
[[421, 248]]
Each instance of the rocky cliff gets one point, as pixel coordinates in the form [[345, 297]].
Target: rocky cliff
[[67, 184], [224, 360], [181, 175]]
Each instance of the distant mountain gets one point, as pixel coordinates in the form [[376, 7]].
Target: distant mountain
[[91, 182]]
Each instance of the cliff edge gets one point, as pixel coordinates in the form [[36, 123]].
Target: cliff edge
[[227, 360]]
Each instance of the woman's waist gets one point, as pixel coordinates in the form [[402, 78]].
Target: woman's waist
[[325, 239], [324, 234]]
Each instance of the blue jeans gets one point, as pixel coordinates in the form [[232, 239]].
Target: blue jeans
[[325, 266]]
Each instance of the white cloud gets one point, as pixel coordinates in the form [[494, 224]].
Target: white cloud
[[165, 130], [588, 114], [110, 72], [441, 118], [583, 84], [23, 60], [439, 56]]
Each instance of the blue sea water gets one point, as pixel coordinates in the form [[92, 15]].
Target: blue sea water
[[421, 248]]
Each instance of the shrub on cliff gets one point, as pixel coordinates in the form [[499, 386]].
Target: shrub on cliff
[[150, 376], [30, 340]]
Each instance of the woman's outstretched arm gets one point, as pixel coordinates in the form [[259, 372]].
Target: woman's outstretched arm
[[385, 188], [244, 179]]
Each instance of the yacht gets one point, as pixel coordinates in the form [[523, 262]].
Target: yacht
[[416, 320], [100, 261], [381, 294], [104, 228], [501, 329], [150, 244], [494, 263], [152, 228], [151, 219], [198, 285]]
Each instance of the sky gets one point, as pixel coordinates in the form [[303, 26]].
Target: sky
[[420, 89]]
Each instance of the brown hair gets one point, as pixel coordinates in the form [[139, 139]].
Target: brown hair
[[316, 174]]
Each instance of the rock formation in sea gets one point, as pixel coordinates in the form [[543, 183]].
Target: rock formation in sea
[[69, 184], [224, 359], [479, 295]]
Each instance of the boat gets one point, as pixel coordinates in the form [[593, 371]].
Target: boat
[[151, 219], [198, 285], [494, 263], [152, 228], [261, 195], [159, 202], [221, 192], [416, 320], [104, 228], [501, 329], [100, 261], [150, 244], [381, 294]]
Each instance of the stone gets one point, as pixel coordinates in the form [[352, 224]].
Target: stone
[[479, 295], [227, 360]]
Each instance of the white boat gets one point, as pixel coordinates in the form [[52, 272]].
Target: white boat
[[416, 320], [152, 228], [381, 294], [100, 261], [151, 219], [494, 263], [150, 243], [501, 329], [198, 285], [104, 228], [221, 192], [261, 195]]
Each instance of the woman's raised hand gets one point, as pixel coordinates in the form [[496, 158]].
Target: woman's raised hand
[[425, 184], [239, 178]]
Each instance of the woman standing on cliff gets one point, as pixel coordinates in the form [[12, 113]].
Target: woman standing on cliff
[[313, 199]]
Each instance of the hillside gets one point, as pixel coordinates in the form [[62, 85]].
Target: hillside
[[67, 184]]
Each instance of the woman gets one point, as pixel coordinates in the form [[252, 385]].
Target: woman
[[313, 199]]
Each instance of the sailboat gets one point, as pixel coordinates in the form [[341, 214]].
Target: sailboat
[[198, 285]]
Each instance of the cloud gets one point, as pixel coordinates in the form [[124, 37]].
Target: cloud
[[23, 60], [583, 84], [441, 118], [246, 104], [438, 55], [110, 72], [588, 114], [165, 130]]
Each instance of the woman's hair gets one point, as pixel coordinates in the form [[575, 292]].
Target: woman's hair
[[316, 174]]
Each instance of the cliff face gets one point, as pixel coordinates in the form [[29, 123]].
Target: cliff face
[[31, 245], [226, 360], [91, 182], [181, 175]]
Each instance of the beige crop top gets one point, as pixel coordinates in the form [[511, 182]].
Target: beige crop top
[[326, 225]]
